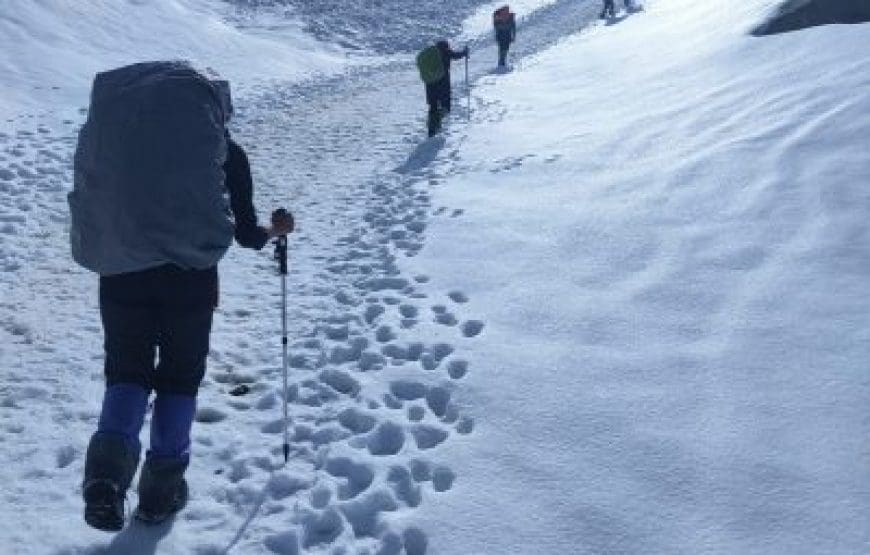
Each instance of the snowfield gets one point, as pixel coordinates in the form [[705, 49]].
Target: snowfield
[[619, 306]]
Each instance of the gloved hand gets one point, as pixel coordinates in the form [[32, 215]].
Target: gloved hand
[[282, 223]]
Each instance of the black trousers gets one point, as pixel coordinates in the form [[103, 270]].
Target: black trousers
[[438, 97], [157, 324], [503, 46]]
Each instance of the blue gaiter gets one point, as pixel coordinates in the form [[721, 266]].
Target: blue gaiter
[[170, 426], [123, 413]]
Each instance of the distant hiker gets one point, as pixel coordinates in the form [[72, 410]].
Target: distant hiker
[[610, 8], [150, 216], [505, 26], [434, 65]]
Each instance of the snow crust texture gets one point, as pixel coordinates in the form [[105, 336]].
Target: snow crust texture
[[618, 306]]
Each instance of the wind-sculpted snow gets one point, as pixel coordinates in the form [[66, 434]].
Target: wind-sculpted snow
[[385, 27]]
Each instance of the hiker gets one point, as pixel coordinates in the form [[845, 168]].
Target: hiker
[[438, 89], [149, 215], [609, 10], [505, 26]]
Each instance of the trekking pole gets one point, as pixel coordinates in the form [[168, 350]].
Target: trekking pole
[[467, 84], [281, 257]]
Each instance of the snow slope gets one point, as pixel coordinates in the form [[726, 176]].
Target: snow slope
[[620, 306], [51, 50], [666, 232]]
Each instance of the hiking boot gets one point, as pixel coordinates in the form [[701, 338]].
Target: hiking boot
[[109, 468], [104, 505], [162, 490]]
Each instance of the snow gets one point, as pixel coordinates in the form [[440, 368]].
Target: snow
[[51, 50], [619, 306]]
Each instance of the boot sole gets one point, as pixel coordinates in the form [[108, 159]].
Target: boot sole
[[103, 518], [152, 519], [101, 507]]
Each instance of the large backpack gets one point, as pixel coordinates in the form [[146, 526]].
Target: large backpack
[[502, 18], [430, 64], [149, 186]]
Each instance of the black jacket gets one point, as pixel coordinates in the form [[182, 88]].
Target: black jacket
[[506, 33], [241, 188], [448, 54]]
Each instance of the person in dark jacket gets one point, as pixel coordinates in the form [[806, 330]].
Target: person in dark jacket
[[505, 33], [164, 313], [609, 10], [439, 94]]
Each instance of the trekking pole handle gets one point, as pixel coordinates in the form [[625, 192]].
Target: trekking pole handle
[[283, 220], [281, 241]]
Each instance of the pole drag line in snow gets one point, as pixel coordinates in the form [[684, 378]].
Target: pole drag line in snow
[[375, 356]]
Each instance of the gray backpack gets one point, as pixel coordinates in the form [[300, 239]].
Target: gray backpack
[[149, 185]]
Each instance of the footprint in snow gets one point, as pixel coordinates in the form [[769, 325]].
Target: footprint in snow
[[427, 437], [442, 478], [457, 368], [282, 485], [356, 477], [65, 456], [416, 413], [384, 334], [356, 420], [321, 528], [465, 425], [404, 486], [387, 438], [372, 313], [273, 427], [407, 390], [472, 328], [415, 541], [320, 496], [438, 399], [391, 402], [446, 319], [363, 513], [284, 543], [208, 415], [340, 381], [408, 311]]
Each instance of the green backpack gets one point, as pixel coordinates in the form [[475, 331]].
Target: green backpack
[[430, 65]]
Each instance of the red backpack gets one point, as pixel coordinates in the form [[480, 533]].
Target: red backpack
[[501, 15]]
